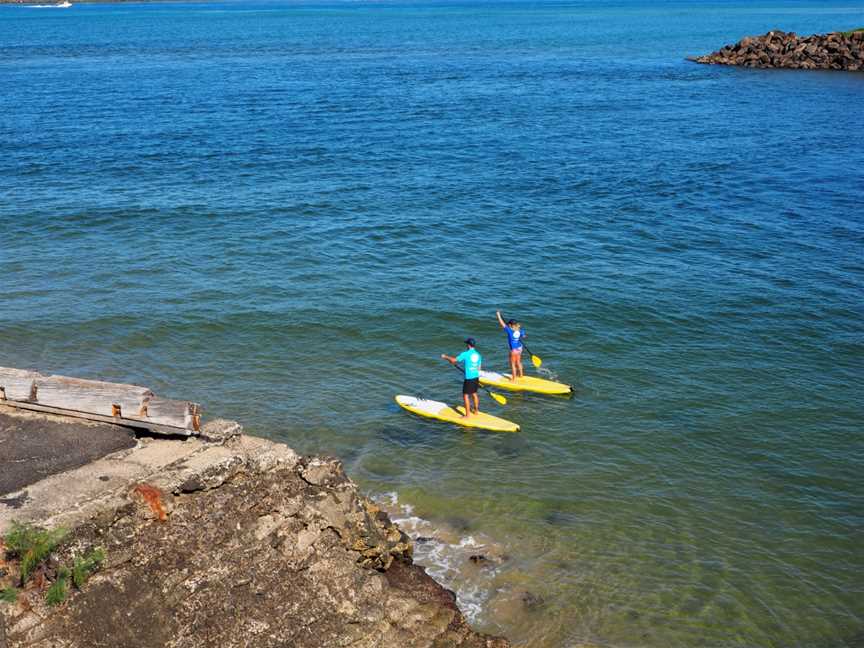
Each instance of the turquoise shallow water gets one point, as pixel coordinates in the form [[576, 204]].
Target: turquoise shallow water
[[288, 212]]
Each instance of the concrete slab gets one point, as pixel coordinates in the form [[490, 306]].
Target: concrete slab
[[66, 498], [92, 478], [35, 446]]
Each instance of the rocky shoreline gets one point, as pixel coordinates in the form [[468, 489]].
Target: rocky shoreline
[[222, 540], [777, 49]]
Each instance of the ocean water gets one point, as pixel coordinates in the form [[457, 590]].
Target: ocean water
[[288, 211]]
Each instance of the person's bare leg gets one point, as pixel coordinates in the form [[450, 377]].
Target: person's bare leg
[[467, 402], [519, 364], [513, 374], [476, 403]]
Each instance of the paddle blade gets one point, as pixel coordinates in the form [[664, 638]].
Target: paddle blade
[[536, 360], [498, 398]]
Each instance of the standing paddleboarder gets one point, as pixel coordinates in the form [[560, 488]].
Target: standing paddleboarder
[[471, 361], [515, 335]]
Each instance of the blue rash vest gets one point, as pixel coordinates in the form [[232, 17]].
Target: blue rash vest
[[514, 338], [471, 360]]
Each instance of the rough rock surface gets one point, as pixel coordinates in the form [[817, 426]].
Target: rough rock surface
[[777, 49], [250, 546]]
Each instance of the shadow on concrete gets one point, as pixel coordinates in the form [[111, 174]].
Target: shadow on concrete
[[34, 446]]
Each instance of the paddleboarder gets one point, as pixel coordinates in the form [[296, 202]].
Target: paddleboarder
[[471, 361], [515, 335]]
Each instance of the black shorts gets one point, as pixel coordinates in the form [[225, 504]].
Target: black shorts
[[470, 386]]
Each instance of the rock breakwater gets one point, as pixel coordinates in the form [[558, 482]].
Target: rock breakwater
[[778, 49]]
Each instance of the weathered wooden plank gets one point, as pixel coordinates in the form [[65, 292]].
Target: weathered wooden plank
[[94, 396], [173, 412], [135, 423], [113, 402], [17, 384]]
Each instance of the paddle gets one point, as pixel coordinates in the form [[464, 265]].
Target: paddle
[[498, 398], [535, 360]]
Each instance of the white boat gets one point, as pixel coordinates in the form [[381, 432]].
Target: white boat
[[64, 5]]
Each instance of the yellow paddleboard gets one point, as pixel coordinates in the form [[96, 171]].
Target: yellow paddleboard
[[525, 383], [443, 412]]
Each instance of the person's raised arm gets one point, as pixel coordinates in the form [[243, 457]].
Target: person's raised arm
[[500, 319]]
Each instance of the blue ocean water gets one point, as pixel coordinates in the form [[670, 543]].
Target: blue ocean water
[[287, 211]]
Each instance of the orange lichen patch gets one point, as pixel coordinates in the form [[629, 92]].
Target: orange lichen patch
[[153, 497], [37, 581]]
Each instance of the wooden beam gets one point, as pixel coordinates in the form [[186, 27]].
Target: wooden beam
[[100, 401], [91, 395], [133, 423], [17, 384]]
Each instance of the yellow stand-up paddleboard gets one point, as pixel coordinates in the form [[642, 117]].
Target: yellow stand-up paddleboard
[[443, 412], [525, 383]]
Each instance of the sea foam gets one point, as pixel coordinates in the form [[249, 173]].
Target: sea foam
[[446, 554]]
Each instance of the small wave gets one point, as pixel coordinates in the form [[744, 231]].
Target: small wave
[[64, 5], [548, 374], [447, 555]]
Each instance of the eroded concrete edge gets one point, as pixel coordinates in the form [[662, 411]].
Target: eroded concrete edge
[[69, 498]]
